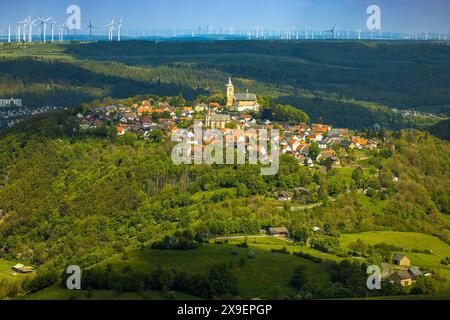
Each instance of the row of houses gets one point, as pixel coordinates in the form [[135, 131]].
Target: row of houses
[[295, 140]]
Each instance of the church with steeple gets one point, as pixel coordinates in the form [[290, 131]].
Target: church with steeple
[[241, 102]]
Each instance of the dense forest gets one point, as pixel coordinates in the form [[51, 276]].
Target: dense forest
[[349, 84], [395, 74]]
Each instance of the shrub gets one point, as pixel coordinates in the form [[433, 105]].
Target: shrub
[[282, 251], [180, 241], [308, 257], [325, 244], [243, 245], [426, 251], [299, 278]]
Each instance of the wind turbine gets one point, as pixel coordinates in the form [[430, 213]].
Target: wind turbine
[[25, 24], [44, 27], [119, 27], [90, 27], [21, 30], [61, 32], [9, 34], [19, 27], [30, 31], [53, 24], [332, 31], [110, 30]]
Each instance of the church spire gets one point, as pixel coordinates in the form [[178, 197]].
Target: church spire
[[230, 93]]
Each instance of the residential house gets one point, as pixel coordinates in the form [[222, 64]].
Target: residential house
[[187, 111], [214, 106], [201, 107], [387, 270], [347, 145], [121, 130], [322, 144], [321, 128], [242, 102], [344, 132], [304, 149], [285, 196], [144, 110]]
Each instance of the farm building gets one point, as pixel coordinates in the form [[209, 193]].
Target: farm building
[[278, 232], [403, 278], [415, 272], [401, 260]]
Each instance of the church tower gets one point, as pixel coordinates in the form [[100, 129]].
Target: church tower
[[230, 93]]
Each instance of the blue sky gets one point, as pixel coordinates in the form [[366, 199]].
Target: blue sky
[[397, 15]]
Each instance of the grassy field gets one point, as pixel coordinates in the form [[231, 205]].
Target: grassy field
[[36, 50], [261, 275], [5, 270], [55, 292], [9, 282], [269, 243], [258, 277]]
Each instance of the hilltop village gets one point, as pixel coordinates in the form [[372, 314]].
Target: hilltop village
[[311, 144]]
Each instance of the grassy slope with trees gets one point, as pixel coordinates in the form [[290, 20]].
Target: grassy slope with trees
[[68, 197]]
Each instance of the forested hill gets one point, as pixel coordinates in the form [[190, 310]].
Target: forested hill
[[349, 84], [66, 197], [402, 74]]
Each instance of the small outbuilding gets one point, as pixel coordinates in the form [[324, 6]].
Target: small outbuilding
[[285, 196], [278, 232], [20, 268]]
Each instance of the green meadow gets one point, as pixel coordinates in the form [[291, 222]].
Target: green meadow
[[268, 271], [408, 241]]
